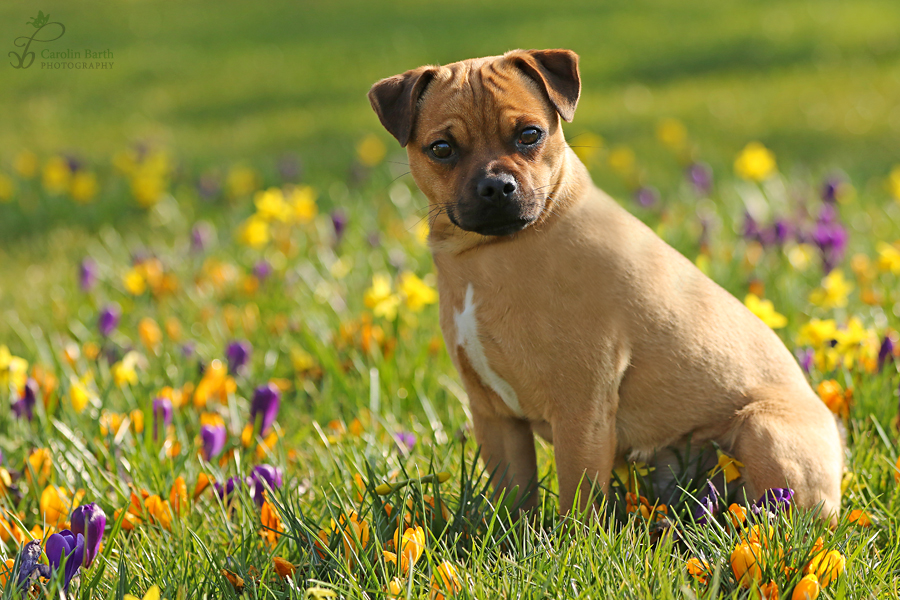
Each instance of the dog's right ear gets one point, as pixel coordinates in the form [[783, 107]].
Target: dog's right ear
[[394, 100]]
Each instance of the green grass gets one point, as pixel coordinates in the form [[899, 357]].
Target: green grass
[[218, 84]]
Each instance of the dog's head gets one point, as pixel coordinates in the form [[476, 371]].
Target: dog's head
[[483, 135]]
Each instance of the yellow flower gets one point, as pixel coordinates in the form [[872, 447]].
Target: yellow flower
[[672, 133], [765, 310], [272, 527], [40, 463], [421, 231], [445, 580], [737, 514], [302, 200], [151, 334], [134, 282], [160, 511], [729, 466], [254, 232], [587, 147], [6, 188], [889, 258], [7, 569], [216, 384], [370, 150], [416, 292], [827, 566], [807, 589], [394, 589], [698, 569], [83, 187], [147, 187], [124, 371], [834, 291], [13, 370], [769, 591], [833, 396], [270, 205], [55, 506], [817, 333], [755, 162], [860, 518], [410, 546], [152, 594], [894, 183], [110, 422], [79, 394], [56, 175], [26, 164], [380, 299], [241, 181], [745, 563]]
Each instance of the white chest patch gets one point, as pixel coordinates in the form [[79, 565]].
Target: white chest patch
[[467, 337]]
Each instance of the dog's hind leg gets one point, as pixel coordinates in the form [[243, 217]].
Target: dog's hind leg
[[798, 448]]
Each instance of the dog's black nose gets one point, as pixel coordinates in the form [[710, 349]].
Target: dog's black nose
[[497, 187]]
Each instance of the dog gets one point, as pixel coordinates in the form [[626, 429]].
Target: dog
[[568, 317]]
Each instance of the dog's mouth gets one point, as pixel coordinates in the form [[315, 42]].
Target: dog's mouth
[[494, 227]]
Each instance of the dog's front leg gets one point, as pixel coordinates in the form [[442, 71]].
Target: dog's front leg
[[507, 449], [585, 448]]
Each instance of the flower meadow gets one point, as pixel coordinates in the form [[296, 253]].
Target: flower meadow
[[236, 387]]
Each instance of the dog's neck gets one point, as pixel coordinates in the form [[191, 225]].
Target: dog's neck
[[447, 239]]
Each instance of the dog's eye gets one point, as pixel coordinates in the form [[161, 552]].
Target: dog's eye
[[441, 149], [529, 136]]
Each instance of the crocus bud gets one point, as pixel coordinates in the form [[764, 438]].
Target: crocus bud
[[87, 274], [265, 403], [261, 478], [69, 546], [24, 407], [709, 504], [109, 319], [162, 414], [89, 520], [237, 353], [213, 437]]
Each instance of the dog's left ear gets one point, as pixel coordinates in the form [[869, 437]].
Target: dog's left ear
[[557, 72], [394, 100]]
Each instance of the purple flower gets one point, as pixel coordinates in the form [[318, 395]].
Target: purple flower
[[709, 504], [701, 177], [782, 230], [805, 357], [830, 189], [886, 352], [750, 230], [339, 221], [646, 196], [237, 353], [289, 167], [69, 547], [162, 414], [87, 274], [109, 319], [264, 406], [89, 520], [29, 565], [406, 440], [830, 237], [262, 270], [224, 491], [25, 405], [187, 349], [774, 500], [201, 234], [213, 438], [263, 477]]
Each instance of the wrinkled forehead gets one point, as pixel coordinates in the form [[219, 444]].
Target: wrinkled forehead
[[483, 98]]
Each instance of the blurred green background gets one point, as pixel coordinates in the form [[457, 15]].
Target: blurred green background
[[228, 80]]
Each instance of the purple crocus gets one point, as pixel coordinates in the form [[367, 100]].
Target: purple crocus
[[646, 196], [782, 231], [29, 565], [201, 233], [213, 438], [238, 354], [339, 221], [264, 406], [69, 547], [831, 237], [701, 177], [224, 491], [774, 500], [262, 270], [750, 230], [709, 504], [263, 477], [89, 520], [886, 352], [187, 349], [87, 274], [24, 407], [406, 441], [109, 319], [805, 357], [830, 190], [162, 414]]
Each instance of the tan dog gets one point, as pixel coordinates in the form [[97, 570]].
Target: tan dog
[[566, 315]]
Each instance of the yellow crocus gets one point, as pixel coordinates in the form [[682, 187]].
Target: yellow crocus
[[755, 162], [765, 310]]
